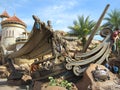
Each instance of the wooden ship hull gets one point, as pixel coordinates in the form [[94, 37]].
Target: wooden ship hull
[[39, 38], [44, 41], [72, 68]]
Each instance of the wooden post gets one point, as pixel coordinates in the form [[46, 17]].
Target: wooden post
[[95, 29]]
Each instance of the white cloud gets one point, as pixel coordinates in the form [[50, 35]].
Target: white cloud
[[59, 21], [28, 21], [58, 13]]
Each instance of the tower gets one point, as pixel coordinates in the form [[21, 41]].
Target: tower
[[12, 28], [3, 16]]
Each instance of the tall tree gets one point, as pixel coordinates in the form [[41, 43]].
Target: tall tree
[[82, 27], [113, 20]]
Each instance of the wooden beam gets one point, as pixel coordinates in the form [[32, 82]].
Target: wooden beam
[[95, 29]]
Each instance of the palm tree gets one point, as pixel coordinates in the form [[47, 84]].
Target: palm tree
[[113, 20], [82, 28]]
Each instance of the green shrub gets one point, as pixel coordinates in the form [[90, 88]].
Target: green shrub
[[61, 83]]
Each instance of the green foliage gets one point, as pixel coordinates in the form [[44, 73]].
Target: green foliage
[[82, 27], [53, 82], [61, 83], [113, 20]]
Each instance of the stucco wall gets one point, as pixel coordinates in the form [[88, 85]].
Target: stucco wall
[[9, 35]]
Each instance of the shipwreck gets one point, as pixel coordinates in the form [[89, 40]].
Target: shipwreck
[[44, 41]]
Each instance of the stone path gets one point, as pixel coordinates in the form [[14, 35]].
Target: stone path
[[4, 86]]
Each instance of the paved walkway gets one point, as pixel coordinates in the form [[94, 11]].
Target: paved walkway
[[4, 86]]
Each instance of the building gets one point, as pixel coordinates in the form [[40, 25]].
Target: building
[[13, 31], [13, 34]]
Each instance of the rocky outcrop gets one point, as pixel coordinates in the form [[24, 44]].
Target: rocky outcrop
[[3, 72], [45, 86], [54, 88], [40, 86], [88, 82], [24, 80]]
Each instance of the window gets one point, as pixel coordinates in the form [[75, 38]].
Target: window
[[13, 33], [9, 33], [6, 34]]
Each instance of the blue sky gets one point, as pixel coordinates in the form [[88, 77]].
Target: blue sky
[[62, 13]]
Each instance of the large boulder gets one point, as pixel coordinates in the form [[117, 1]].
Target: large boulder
[[53, 88], [44, 86], [47, 87], [88, 81], [3, 72]]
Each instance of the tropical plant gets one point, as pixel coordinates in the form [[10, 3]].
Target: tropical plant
[[61, 83], [113, 20], [82, 28]]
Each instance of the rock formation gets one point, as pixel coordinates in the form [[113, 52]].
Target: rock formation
[[88, 82]]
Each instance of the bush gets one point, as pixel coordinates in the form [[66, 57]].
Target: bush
[[60, 82]]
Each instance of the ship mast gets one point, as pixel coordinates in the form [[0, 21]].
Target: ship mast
[[95, 29]]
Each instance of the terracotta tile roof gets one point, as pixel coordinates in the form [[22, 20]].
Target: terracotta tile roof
[[4, 14], [14, 19]]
